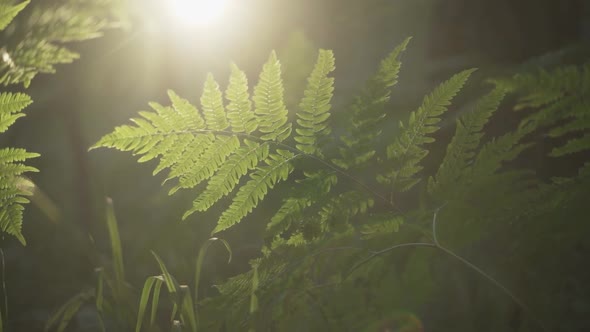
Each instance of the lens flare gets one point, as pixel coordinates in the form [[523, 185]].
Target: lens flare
[[197, 12]]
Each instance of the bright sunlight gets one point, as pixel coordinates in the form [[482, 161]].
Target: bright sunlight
[[197, 12]]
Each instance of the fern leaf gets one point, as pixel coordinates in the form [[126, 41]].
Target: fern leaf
[[407, 151], [499, 150], [270, 106], [212, 104], [309, 191], [189, 114], [345, 206], [12, 189], [183, 158], [9, 11], [227, 178], [461, 149], [208, 163], [382, 225], [239, 110], [368, 111], [10, 106], [261, 180], [315, 105], [573, 146]]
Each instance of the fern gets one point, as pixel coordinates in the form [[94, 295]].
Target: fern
[[461, 149], [561, 99], [268, 98], [8, 11], [45, 31], [329, 217], [11, 105], [264, 178], [13, 190], [315, 105], [228, 176], [239, 108], [368, 111], [407, 150]]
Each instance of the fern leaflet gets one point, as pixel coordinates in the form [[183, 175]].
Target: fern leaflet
[[407, 151], [268, 99], [262, 179], [315, 105]]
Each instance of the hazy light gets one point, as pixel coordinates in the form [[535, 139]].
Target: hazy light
[[197, 12]]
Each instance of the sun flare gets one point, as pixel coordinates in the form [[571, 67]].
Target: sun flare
[[197, 12]]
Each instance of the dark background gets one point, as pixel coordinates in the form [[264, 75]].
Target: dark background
[[119, 73]]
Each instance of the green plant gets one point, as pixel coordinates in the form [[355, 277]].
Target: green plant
[[34, 46], [327, 243]]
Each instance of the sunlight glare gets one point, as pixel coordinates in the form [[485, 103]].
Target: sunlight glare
[[198, 12]]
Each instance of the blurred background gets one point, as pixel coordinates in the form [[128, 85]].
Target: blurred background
[[118, 74]]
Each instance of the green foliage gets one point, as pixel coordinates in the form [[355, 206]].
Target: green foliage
[[31, 49], [315, 105], [13, 188], [561, 97], [329, 242], [407, 151], [461, 149], [8, 11], [37, 42]]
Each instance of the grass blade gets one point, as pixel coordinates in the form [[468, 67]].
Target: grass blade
[[201, 259]]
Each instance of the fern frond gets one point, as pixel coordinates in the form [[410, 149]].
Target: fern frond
[[368, 110], [12, 189], [407, 151], [191, 118], [48, 26], [572, 146], [461, 149], [261, 180], [344, 206], [269, 103], [227, 178], [212, 104], [207, 163], [315, 105], [560, 97], [381, 225], [8, 12], [499, 150], [239, 109], [11, 105], [308, 192]]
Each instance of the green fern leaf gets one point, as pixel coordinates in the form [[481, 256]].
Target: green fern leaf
[[573, 146], [189, 114], [381, 225], [461, 149], [212, 104], [9, 11], [270, 106], [407, 151], [498, 150], [11, 105], [13, 189], [227, 178], [261, 180], [239, 109], [368, 112], [308, 192], [315, 105], [207, 163]]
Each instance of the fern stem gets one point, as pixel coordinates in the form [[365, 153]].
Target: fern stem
[[496, 283], [384, 251]]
